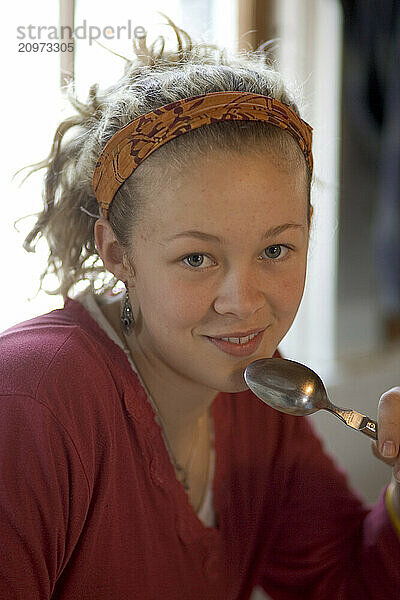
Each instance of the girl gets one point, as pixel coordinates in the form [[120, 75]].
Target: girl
[[135, 462]]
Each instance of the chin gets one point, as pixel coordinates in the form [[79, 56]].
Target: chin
[[233, 384]]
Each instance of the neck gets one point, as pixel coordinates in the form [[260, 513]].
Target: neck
[[182, 405]]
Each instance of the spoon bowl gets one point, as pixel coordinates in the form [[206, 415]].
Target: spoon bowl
[[295, 389]]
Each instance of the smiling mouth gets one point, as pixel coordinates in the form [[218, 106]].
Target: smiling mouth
[[238, 340], [238, 346]]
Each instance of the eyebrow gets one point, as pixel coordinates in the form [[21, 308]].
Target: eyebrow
[[209, 237]]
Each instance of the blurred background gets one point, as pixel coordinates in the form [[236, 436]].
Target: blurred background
[[343, 58]]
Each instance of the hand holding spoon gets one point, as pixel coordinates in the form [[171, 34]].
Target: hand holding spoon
[[295, 389]]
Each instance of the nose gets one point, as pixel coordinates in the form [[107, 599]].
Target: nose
[[240, 293]]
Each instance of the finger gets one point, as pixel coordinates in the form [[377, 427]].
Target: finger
[[389, 423], [391, 462], [375, 450]]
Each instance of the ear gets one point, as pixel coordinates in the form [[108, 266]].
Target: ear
[[110, 250]]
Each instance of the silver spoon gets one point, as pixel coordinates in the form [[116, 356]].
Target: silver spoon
[[295, 389]]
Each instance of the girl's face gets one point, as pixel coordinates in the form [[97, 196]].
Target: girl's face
[[220, 253]]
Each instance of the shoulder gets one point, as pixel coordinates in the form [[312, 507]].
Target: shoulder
[[32, 348], [58, 359], [64, 377]]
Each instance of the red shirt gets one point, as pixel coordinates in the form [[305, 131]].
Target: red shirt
[[90, 507]]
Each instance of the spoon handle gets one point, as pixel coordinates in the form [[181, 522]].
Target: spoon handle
[[356, 420], [370, 428]]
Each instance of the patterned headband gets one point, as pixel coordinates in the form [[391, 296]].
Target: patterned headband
[[133, 143]]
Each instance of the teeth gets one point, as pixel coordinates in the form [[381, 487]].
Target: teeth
[[242, 340]]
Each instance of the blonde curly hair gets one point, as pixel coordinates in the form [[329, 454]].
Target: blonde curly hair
[[152, 79]]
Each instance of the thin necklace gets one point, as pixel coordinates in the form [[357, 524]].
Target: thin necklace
[[182, 471]]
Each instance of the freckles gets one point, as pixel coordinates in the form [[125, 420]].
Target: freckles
[[189, 307], [288, 293], [290, 283]]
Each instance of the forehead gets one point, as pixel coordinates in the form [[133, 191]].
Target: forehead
[[226, 192]]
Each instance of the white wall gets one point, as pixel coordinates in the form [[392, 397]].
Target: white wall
[[310, 55]]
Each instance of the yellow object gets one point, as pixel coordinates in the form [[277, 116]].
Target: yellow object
[[390, 508]]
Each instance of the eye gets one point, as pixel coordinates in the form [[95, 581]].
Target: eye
[[276, 251], [195, 260]]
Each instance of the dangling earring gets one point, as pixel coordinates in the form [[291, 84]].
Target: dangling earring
[[127, 318]]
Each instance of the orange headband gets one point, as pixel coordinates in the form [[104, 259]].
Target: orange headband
[[133, 143]]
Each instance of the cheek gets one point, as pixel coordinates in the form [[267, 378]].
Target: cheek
[[175, 304], [288, 291]]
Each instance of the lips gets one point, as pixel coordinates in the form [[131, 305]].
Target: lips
[[237, 349], [237, 334]]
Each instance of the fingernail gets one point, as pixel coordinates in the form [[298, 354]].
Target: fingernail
[[389, 449]]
